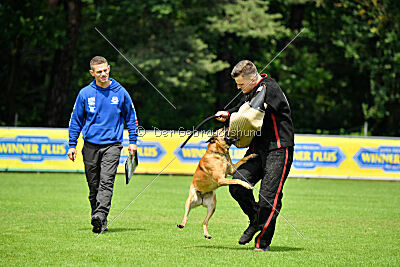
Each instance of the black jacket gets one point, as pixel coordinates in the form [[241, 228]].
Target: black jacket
[[277, 130]]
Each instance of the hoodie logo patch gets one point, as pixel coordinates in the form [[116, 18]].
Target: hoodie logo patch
[[114, 100], [92, 103]]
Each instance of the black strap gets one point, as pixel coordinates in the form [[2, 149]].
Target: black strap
[[197, 127]]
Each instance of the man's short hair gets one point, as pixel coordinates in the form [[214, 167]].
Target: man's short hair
[[245, 68], [97, 60]]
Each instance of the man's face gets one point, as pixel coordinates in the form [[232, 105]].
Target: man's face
[[246, 83], [100, 72]]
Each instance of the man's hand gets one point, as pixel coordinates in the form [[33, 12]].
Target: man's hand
[[132, 148], [72, 153], [222, 116]]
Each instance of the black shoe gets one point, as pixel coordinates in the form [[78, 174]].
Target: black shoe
[[261, 249], [98, 231], [97, 225], [248, 234]]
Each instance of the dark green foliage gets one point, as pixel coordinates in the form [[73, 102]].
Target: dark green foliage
[[341, 71]]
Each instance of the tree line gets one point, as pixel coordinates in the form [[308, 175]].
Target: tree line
[[340, 74]]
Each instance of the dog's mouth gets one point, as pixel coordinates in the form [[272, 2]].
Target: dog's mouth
[[230, 141], [227, 139]]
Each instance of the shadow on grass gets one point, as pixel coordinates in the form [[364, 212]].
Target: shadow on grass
[[116, 230], [250, 248], [282, 248]]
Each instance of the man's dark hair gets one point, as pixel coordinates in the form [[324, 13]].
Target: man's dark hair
[[97, 60], [245, 68]]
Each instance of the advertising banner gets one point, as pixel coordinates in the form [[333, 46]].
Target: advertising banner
[[43, 149]]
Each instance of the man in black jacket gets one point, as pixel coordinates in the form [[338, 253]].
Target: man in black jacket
[[274, 148]]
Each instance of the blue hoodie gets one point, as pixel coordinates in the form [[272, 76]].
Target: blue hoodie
[[100, 114]]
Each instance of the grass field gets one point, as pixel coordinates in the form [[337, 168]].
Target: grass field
[[45, 221]]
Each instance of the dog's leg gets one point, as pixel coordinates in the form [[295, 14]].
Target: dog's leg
[[233, 167], [224, 181], [191, 202], [210, 201]]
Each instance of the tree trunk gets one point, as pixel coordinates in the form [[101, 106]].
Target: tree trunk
[[12, 83], [296, 16], [58, 91]]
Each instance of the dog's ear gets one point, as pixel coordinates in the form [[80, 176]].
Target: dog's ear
[[211, 140]]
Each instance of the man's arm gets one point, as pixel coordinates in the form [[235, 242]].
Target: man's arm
[[224, 115], [131, 123], [274, 96], [236, 108], [75, 125]]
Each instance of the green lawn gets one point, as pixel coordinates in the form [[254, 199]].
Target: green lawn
[[45, 221]]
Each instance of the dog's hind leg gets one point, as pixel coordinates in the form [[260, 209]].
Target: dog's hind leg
[[192, 201], [224, 181], [209, 201]]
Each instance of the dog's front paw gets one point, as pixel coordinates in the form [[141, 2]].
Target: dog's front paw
[[248, 186], [180, 226], [252, 156]]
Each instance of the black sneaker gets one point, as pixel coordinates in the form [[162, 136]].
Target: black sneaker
[[261, 249], [97, 231], [96, 222], [248, 234]]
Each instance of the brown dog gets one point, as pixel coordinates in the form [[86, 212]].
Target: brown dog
[[210, 174]]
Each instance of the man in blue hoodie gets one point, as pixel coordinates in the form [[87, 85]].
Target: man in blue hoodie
[[99, 113]]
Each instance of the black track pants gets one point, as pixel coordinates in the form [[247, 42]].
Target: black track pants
[[272, 168], [101, 163]]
